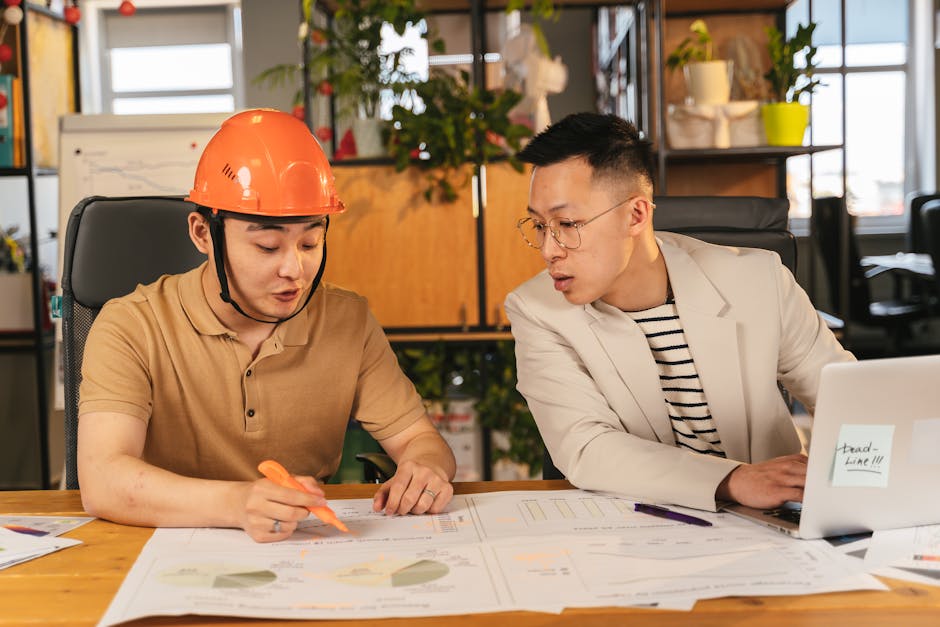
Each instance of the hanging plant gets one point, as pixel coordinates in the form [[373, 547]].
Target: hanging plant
[[459, 125]]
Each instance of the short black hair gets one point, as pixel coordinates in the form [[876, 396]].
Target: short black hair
[[611, 145]]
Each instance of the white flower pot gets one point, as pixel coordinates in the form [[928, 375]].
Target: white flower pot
[[708, 82], [368, 135]]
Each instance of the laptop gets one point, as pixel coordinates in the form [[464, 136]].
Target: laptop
[[874, 455]]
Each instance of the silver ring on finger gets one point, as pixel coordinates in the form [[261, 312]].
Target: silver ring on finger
[[431, 493], [276, 528]]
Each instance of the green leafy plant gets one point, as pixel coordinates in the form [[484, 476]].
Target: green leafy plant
[[13, 256], [460, 124], [426, 367], [502, 407], [697, 48], [346, 58], [487, 373], [783, 75]]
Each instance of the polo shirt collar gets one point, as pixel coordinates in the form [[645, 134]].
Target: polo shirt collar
[[294, 332]]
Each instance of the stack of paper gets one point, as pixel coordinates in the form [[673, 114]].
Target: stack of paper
[[539, 551], [23, 538]]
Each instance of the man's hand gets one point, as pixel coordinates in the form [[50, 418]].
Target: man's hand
[[265, 502], [415, 489], [767, 484]]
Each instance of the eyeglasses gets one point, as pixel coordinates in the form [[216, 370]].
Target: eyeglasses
[[565, 231]]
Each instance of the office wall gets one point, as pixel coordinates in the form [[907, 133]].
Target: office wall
[[269, 37], [570, 37]]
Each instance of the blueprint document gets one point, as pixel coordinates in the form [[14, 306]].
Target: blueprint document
[[539, 551]]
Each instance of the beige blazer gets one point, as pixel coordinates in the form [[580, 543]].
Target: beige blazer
[[592, 385]]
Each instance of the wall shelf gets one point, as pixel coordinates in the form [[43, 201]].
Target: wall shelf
[[753, 152]]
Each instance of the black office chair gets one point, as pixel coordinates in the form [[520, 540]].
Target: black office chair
[[894, 316], [930, 225], [915, 238], [111, 246], [744, 221]]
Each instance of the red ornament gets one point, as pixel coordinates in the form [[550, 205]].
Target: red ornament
[[325, 88], [127, 8], [13, 3], [414, 153], [317, 36], [299, 112], [324, 133], [72, 14], [6, 53], [347, 146], [3, 100]]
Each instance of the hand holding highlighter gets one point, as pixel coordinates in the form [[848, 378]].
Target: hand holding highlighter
[[279, 475]]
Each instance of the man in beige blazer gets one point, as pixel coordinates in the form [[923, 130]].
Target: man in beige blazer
[[650, 361]]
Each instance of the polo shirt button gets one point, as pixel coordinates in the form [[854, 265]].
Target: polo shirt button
[[251, 413], [248, 374]]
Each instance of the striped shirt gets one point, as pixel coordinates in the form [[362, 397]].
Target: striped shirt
[[692, 423]]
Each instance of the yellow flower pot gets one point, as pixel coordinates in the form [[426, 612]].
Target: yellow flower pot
[[785, 123]]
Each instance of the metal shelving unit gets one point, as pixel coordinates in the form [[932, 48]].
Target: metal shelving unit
[[40, 340]]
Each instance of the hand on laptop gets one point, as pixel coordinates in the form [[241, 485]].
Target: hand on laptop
[[767, 484]]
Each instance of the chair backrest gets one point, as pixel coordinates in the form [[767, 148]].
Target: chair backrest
[[915, 239], [930, 223], [111, 246], [745, 221], [825, 222]]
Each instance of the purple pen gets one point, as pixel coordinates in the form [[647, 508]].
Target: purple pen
[[662, 512]]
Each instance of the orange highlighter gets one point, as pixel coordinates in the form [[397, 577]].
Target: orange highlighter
[[279, 475]]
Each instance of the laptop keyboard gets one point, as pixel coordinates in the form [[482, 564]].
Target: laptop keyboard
[[788, 514]]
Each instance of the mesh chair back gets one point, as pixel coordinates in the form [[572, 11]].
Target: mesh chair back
[[111, 246], [745, 221]]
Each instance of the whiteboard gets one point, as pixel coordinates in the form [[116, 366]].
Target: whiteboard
[[129, 155], [126, 155]]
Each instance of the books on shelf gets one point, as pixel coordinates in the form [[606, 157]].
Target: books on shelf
[[6, 121], [11, 122]]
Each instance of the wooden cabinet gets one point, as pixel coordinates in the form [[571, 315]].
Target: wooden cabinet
[[417, 261], [508, 260]]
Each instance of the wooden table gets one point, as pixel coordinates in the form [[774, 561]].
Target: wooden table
[[74, 586]]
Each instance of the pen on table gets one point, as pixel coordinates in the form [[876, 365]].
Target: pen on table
[[279, 475], [662, 512]]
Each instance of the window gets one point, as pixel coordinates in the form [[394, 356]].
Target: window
[[867, 105], [165, 59]]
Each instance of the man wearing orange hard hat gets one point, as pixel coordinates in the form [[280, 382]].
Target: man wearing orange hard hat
[[191, 381]]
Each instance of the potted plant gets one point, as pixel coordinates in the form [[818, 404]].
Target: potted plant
[[786, 118], [346, 61], [708, 80], [487, 373], [16, 306], [459, 125]]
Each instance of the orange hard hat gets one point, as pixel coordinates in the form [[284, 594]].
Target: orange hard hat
[[266, 163]]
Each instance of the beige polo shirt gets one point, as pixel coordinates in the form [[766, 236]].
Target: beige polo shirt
[[161, 355]]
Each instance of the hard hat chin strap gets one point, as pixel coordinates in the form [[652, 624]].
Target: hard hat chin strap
[[217, 233]]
